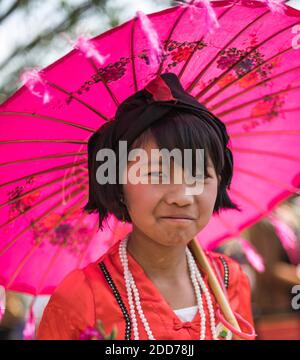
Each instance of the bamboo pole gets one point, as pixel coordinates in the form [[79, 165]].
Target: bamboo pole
[[214, 284]]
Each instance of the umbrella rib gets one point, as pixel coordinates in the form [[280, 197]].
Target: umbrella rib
[[35, 189], [248, 200], [132, 55], [52, 156], [95, 230], [237, 107], [244, 75], [52, 262], [234, 96], [72, 96], [17, 141], [83, 254], [203, 71], [37, 220], [48, 197], [236, 121], [264, 133], [267, 153], [160, 69], [181, 73], [229, 227], [85, 251], [60, 167], [236, 232], [112, 95], [282, 185], [208, 87], [26, 258], [45, 117], [56, 255]]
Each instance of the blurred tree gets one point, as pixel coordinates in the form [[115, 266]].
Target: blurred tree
[[13, 6], [37, 28], [25, 54]]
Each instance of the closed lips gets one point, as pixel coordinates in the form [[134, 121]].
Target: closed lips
[[178, 217]]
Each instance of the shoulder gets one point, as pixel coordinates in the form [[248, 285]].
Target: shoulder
[[74, 288], [69, 310], [229, 269], [82, 284]]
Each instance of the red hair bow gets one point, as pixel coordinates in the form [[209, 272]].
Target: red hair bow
[[159, 90]]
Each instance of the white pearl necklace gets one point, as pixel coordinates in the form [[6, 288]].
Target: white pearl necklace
[[134, 298]]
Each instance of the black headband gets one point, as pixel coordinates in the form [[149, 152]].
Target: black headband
[[164, 93]]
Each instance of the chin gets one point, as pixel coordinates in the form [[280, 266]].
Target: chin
[[178, 238]]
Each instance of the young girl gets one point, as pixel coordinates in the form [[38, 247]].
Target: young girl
[[149, 285]]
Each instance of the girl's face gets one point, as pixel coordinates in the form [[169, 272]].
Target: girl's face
[[153, 207]]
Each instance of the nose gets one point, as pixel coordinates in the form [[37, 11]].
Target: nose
[[178, 195]]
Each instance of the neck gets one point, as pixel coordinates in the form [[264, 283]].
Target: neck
[[157, 260]]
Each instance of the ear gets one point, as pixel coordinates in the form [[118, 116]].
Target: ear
[[219, 179]]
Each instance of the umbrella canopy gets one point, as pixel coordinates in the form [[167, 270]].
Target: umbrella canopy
[[247, 72]]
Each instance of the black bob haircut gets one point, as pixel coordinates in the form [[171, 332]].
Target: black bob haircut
[[177, 129]]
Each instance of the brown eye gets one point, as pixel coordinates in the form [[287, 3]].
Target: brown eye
[[155, 173], [200, 176]]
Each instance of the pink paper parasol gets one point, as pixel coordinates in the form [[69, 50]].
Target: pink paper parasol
[[246, 71]]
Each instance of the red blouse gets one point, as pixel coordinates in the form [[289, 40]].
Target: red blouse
[[86, 295]]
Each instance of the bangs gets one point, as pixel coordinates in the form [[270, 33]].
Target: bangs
[[183, 130]]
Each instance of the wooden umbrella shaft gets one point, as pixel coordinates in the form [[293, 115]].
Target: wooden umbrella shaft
[[214, 284]]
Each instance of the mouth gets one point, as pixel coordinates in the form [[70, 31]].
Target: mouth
[[177, 220]]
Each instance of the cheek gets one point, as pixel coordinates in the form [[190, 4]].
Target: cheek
[[141, 201], [206, 201], [211, 194]]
